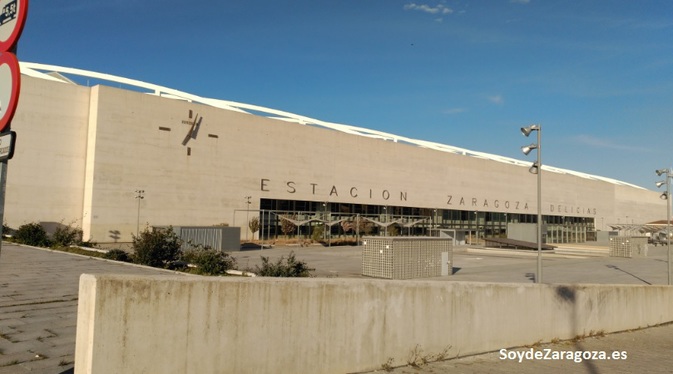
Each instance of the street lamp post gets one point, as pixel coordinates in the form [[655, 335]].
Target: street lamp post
[[667, 196], [536, 169], [140, 194], [247, 216], [476, 228]]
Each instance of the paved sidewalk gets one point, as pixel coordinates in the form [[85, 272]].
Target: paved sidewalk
[[38, 306], [646, 351]]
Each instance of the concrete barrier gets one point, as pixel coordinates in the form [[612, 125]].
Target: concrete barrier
[[132, 324]]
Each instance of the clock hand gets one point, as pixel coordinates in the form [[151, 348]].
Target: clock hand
[[197, 126], [190, 133]]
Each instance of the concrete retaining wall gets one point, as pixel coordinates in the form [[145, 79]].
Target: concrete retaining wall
[[131, 324]]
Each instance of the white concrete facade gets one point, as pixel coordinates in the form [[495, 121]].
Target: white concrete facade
[[82, 152]]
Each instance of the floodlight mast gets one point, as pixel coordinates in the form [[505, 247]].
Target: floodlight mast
[[536, 169], [667, 196]]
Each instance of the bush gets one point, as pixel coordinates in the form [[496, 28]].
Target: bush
[[156, 247], [283, 268], [67, 235], [209, 261], [6, 230], [32, 234], [118, 255]]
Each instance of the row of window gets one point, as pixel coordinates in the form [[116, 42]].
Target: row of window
[[442, 217]]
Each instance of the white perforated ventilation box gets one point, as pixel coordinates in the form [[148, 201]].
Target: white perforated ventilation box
[[406, 257]]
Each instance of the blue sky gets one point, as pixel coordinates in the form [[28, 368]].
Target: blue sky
[[595, 74]]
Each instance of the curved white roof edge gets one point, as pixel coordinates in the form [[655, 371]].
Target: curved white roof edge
[[41, 71]]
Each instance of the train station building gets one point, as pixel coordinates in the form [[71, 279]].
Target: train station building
[[112, 155]]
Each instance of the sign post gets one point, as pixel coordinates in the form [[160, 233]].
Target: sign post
[[12, 19]]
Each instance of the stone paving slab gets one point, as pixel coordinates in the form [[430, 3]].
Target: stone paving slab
[[38, 306]]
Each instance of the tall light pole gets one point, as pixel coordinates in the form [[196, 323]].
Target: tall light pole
[[140, 194], [247, 216], [536, 169], [667, 196]]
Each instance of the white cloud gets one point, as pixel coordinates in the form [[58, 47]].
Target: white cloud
[[454, 110], [438, 9], [497, 99]]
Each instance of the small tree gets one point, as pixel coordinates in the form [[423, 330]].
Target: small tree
[[358, 226], [348, 225], [393, 230], [286, 226], [156, 247], [254, 226], [318, 232]]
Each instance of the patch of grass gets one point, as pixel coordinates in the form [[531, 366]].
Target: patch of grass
[[441, 356], [79, 251], [416, 358], [534, 345], [64, 363], [388, 365], [597, 334], [118, 255], [578, 338]]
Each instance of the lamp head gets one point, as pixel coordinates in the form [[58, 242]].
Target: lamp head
[[660, 183], [534, 169], [662, 171], [664, 196], [527, 148], [528, 129]]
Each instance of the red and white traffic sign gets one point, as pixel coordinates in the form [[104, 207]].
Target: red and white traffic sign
[[10, 85], [12, 18]]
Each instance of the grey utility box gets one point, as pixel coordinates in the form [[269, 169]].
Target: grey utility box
[[221, 238], [628, 246], [406, 257]]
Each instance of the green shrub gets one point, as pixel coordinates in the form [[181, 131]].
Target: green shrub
[[118, 255], [156, 247], [67, 235], [209, 261], [32, 234], [289, 267], [6, 230]]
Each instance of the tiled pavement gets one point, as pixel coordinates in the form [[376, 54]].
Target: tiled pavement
[[38, 306]]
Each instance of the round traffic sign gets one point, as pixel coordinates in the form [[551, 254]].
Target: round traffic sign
[[10, 85], [12, 18]]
